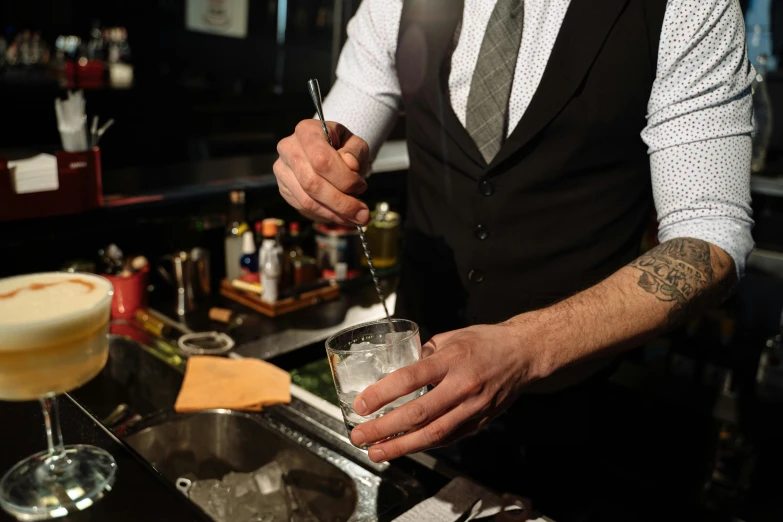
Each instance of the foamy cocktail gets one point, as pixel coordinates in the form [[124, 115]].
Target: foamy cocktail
[[53, 338]]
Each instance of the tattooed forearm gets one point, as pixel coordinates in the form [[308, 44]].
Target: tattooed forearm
[[658, 290], [690, 273]]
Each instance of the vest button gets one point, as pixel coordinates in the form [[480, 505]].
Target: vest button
[[475, 276], [486, 188], [481, 232]]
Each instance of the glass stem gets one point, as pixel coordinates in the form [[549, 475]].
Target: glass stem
[[54, 436]]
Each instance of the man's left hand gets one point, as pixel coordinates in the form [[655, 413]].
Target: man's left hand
[[478, 372]]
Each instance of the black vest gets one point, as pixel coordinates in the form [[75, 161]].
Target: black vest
[[565, 201]]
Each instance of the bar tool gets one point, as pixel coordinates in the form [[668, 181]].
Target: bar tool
[[315, 94]]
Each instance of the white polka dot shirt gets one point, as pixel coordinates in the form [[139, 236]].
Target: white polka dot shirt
[[699, 112]]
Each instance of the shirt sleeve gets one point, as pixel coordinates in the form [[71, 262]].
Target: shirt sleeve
[[366, 97], [699, 127]]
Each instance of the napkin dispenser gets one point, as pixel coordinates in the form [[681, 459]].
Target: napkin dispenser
[[79, 189]]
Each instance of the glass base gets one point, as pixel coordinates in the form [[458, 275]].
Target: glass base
[[40, 488]]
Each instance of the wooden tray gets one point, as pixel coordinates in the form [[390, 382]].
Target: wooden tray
[[283, 306]]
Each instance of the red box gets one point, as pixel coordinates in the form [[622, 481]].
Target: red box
[[85, 74], [80, 189]]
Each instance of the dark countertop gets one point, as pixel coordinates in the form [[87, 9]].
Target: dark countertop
[[149, 386], [131, 186], [135, 377], [135, 481], [267, 338], [142, 185]]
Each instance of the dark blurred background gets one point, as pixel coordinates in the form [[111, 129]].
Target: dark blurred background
[[193, 95], [196, 95]]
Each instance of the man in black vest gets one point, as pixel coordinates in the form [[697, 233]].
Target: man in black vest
[[529, 189]]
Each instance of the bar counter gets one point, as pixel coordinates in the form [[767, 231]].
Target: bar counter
[[139, 493], [149, 387], [666, 424], [135, 377]]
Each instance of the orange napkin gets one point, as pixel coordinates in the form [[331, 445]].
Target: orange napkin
[[236, 384]]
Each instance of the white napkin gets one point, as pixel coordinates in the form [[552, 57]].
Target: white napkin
[[36, 174], [455, 499]]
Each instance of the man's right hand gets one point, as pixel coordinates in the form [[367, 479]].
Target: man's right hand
[[319, 181]]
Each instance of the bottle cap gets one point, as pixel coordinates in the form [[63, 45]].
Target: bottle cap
[[248, 243], [258, 226], [269, 227], [294, 228]]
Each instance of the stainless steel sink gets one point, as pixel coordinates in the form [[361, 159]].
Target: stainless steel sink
[[213, 443]]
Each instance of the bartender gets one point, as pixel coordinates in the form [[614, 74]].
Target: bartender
[[529, 190]]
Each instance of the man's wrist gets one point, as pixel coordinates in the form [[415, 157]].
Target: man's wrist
[[533, 341], [566, 348], [575, 330]]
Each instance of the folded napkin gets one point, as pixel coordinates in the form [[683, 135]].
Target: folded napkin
[[36, 174], [236, 384]]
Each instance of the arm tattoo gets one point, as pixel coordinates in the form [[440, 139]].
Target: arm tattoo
[[682, 271]]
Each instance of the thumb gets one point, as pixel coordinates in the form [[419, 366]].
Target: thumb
[[350, 159], [352, 149]]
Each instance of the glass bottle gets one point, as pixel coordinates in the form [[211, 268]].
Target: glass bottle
[[249, 261], [293, 251], [382, 235], [269, 262], [236, 228]]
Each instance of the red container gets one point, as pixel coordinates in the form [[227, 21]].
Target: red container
[[85, 74], [80, 189], [130, 294]]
